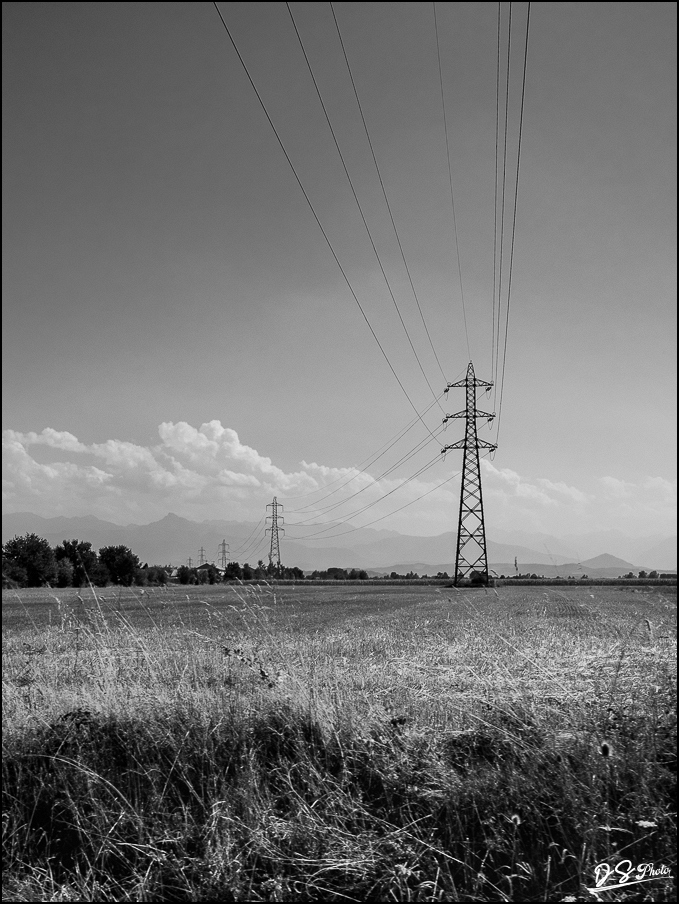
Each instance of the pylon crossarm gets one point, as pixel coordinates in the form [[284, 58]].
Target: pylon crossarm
[[473, 382]]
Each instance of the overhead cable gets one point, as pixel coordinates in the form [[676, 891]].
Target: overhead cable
[[516, 193], [315, 215], [450, 179], [368, 486], [349, 480], [358, 203], [377, 501], [390, 514], [384, 191]]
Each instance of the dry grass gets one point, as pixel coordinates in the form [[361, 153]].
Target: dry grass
[[319, 744]]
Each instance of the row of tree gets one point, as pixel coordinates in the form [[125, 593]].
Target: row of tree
[[210, 574], [340, 574], [30, 561]]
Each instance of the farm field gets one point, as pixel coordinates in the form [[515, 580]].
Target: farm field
[[298, 742]]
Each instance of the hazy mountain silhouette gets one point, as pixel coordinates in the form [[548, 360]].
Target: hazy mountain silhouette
[[173, 539]]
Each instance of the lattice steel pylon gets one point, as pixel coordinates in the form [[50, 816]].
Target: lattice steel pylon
[[275, 550], [471, 558], [223, 554]]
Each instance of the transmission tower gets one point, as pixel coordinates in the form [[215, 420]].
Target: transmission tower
[[189, 561], [201, 553], [471, 559], [224, 554], [276, 520]]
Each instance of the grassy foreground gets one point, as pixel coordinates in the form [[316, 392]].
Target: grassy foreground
[[263, 744]]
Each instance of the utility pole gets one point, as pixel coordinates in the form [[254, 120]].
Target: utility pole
[[471, 558], [201, 553], [223, 553], [275, 550]]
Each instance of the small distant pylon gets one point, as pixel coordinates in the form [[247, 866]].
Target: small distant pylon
[[224, 554], [276, 521], [189, 562], [471, 558], [201, 553]]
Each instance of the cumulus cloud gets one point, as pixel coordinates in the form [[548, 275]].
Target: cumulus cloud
[[206, 472], [619, 489], [561, 490]]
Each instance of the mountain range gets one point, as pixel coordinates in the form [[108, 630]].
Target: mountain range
[[173, 540]]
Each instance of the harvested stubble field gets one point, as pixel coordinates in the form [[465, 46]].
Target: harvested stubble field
[[414, 743]]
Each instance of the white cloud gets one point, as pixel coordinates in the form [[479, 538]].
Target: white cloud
[[563, 491], [619, 489], [203, 472], [206, 472], [505, 483]]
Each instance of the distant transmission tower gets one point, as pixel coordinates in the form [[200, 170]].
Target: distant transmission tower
[[276, 520], [224, 554], [189, 561], [471, 558], [201, 553]]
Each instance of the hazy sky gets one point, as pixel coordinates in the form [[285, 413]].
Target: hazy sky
[[177, 335]]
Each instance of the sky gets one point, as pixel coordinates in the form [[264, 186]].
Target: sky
[[196, 320]]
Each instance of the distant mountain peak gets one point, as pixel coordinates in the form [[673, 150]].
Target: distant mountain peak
[[607, 561]]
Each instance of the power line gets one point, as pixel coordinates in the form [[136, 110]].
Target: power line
[[497, 163], [384, 192], [253, 548], [367, 462], [389, 515], [450, 178], [504, 183], [315, 215], [376, 480], [245, 543], [376, 501], [370, 462], [358, 203], [516, 194]]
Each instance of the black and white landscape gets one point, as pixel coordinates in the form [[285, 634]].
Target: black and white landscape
[[172, 540]]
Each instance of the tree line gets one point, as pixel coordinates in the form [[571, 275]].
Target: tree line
[[30, 561], [210, 574]]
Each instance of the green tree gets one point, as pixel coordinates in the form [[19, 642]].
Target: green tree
[[121, 563], [31, 556]]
